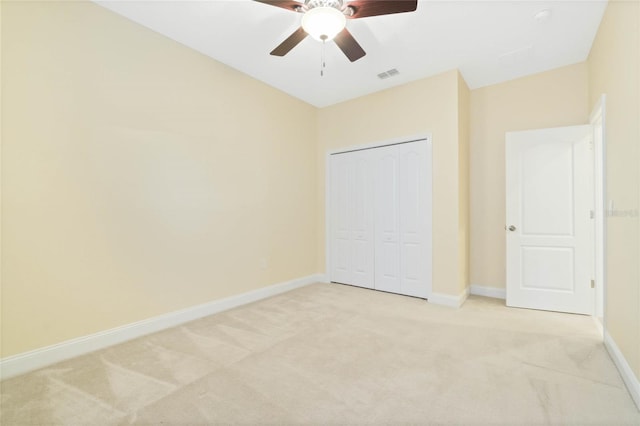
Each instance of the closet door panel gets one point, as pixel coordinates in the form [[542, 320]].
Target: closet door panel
[[351, 219], [387, 220], [415, 219], [360, 196], [340, 220]]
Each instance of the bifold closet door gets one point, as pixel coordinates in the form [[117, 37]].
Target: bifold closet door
[[380, 218], [351, 217], [402, 219]]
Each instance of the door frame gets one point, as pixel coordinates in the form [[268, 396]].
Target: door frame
[[600, 209], [426, 136]]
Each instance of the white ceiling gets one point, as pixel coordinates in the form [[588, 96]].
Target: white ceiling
[[488, 41]]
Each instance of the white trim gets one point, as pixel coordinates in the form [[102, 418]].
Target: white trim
[[599, 108], [600, 205], [630, 379], [599, 326], [323, 278], [32, 360], [327, 217], [495, 292], [447, 300]]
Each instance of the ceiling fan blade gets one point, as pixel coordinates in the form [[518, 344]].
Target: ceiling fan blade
[[291, 42], [349, 45], [365, 8], [291, 5]]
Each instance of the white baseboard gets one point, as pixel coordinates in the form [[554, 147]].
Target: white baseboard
[[599, 326], [447, 300], [33, 360], [630, 379], [323, 278], [495, 292]]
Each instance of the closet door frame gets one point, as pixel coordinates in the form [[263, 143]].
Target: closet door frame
[[425, 138]]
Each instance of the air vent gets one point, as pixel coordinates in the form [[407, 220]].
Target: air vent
[[390, 73]]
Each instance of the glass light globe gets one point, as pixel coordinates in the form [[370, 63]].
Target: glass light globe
[[323, 23]]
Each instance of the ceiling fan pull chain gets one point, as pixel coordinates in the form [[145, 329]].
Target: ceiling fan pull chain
[[322, 62]]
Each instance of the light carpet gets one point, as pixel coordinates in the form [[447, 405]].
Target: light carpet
[[334, 354]]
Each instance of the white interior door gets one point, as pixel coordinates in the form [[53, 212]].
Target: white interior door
[[351, 218], [549, 231]]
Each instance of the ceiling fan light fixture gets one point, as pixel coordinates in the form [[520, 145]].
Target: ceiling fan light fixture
[[323, 23]]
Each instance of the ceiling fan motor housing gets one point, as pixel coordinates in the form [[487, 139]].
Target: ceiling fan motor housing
[[323, 19], [336, 4]]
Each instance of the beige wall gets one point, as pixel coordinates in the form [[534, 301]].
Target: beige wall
[[550, 99], [1, 177], [428, 105], [139, 177], [614, 69], [464, 197]]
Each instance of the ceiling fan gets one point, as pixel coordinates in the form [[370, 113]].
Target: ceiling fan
[[325, 20]]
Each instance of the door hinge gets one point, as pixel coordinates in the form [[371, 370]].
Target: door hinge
[[593, 283]]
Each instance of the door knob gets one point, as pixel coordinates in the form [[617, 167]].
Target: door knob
[[512, 228]]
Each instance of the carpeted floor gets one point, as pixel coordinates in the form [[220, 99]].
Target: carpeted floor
[[330, 353]]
